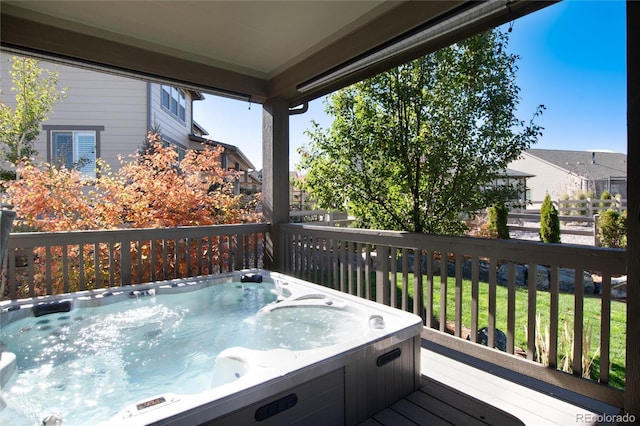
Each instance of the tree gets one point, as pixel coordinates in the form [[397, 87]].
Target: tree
[[418, 147], [498, 218], [153, 190], [36, 93], [549, 222]]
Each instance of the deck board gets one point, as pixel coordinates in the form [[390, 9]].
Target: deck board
[[419, 414], [455, 392], [456, 407], [392, 417], [516, 399]]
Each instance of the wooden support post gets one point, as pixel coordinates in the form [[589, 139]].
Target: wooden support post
[[275, 175], [632, 387]]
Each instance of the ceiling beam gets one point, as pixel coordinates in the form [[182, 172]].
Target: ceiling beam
[[510, 11]]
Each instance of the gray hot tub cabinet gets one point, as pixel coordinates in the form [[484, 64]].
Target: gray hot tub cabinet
[[343, 390]]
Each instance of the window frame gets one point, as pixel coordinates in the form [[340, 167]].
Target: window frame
[[173, 101], [51, 130]]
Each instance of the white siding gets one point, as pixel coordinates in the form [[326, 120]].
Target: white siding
[[93, 99], [171, 127], [548, 178]]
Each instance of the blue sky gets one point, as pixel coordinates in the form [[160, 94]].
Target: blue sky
[[573, 60]]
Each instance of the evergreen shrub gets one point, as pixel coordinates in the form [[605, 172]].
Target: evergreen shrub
[[498, 218], [549, 222]]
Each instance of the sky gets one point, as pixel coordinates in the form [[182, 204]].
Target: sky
[[572, 61]]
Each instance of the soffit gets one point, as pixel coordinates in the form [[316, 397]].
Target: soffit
[[253, 49], [258, 38]]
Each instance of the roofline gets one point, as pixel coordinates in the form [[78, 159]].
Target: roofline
[[555, 166], [226, 146], [196, 124], [565, 169]]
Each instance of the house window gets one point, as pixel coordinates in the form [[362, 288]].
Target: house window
[[182, 152], [174, 100], [74, 149]]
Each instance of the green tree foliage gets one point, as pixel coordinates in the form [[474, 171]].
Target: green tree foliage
[[36, 92], [549, 222], [612, 229], [418, 147], [498, 218]]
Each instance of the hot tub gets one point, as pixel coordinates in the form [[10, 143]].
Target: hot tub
[[239, 348]]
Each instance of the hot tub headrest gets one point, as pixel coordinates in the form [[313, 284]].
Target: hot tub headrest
[[251, 278], [51, 308]]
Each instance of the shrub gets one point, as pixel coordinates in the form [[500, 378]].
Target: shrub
[[478, 227], [549, 222], [581, 206], [566, 211], [153, 190], [612, 229], [606, 198], [498, 218]]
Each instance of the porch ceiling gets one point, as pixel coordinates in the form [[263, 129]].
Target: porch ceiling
[[253, 49]]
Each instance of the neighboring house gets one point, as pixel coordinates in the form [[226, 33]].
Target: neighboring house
[[559, 172], [249, 182], [517, 180], [106, 116]]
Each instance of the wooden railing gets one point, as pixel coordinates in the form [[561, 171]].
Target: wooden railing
[[400, 269], [50, 263], [404, 270]]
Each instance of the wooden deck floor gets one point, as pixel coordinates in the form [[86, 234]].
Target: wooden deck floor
[[459, 391]]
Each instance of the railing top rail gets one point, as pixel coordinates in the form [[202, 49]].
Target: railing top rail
[[307, 212], [564, 255], [30, 239]]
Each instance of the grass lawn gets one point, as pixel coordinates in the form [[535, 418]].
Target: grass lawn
[[592, 313]]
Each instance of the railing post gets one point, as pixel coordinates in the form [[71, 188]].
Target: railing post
[[239, 252], [382, 275], [6, 224], [125, 262]]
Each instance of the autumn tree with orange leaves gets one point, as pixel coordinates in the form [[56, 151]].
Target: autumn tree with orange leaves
[[152, 190]]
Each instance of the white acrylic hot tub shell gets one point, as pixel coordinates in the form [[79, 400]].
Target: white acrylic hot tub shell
[[338, 384]]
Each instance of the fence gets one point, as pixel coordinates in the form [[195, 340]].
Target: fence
[[42, 263], [577, 217], [578, 209], [406, 270], [410, 271], [586, 225], [320, 217]]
